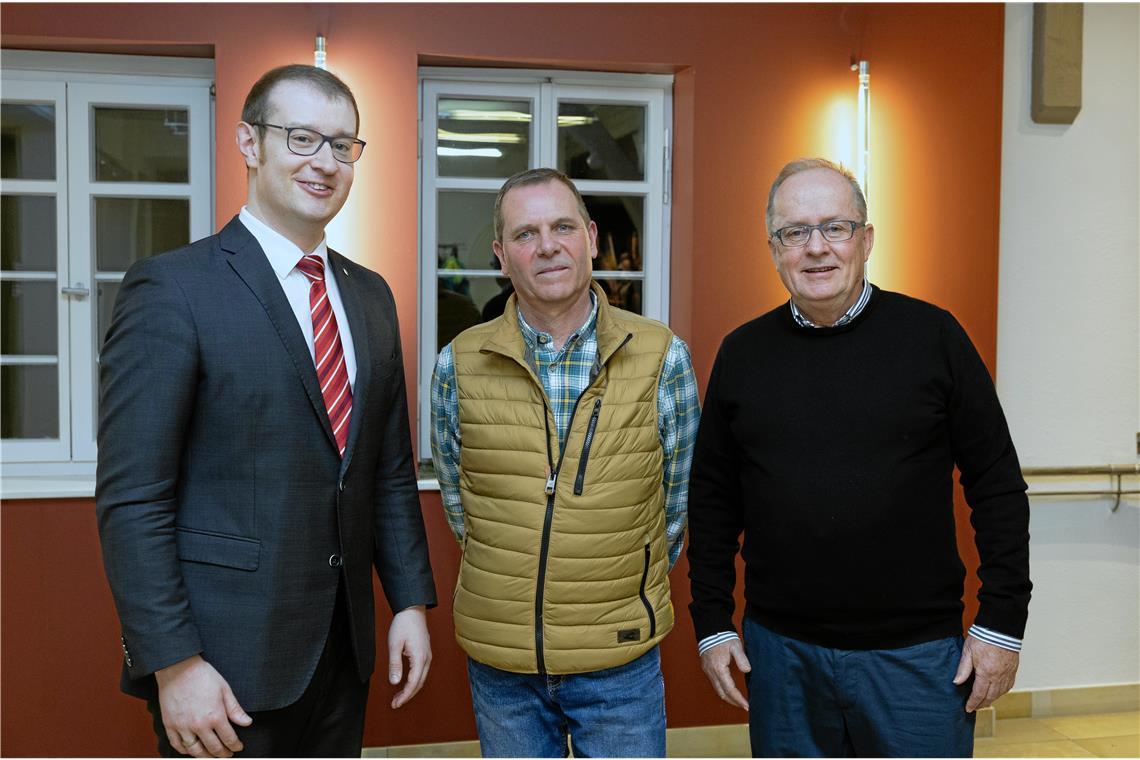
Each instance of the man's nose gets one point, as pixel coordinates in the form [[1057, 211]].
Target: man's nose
[[323, 159], [816, 243], [547, 243]]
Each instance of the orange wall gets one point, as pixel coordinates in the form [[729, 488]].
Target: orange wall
[[756, 85]]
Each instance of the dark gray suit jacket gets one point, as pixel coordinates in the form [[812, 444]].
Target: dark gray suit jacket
[[226, 516]]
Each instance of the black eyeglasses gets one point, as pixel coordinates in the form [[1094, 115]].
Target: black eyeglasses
[[306, 142], [835, 231]]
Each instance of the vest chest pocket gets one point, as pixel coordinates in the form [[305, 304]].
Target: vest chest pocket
[[580, 480]]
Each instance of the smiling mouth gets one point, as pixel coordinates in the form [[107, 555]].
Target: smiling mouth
[[318, 186], [819, 270]]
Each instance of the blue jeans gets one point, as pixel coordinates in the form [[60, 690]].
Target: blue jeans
[[811, 701], [616, 712]]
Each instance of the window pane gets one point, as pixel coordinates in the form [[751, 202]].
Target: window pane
[[457, 311], [29, 402], [142, 145], [27, 233], [105, 294], [31, 315], [482, 138], [129, 229], [619, 219], [625, 294], [601, 141], [27, 141], [465, 231]]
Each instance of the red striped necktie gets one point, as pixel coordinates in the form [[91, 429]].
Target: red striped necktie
[[332, 372]]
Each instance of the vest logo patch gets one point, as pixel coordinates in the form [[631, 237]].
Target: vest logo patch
[[629, 634]]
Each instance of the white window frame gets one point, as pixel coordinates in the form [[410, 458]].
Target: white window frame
[[76, 82], [544, 90]]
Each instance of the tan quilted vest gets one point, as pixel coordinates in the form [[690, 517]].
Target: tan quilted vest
[[564, 574]]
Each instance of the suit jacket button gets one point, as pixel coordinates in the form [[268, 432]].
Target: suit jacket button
[[334, 560], [340, 486]]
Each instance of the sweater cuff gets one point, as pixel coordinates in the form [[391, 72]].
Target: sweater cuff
[[709, 642], [995, 638]]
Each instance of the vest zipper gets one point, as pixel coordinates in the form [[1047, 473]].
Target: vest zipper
[[645, 599], [580, 480], [544, 548], [551, 484]]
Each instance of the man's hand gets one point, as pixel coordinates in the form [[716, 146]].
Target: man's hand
[[716, 661], [408, 637], [994, 669], [197, 709]]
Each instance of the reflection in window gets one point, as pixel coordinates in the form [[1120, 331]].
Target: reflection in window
[[27, 141], [29, 402], [601, 141], [141, 145], [27, 233], [464, 230], [482, 138], [619, 219], [129, 229]]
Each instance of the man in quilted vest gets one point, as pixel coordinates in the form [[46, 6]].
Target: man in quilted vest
[[562, 433]]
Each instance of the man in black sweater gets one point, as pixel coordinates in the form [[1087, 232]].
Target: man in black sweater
[[830, 431]]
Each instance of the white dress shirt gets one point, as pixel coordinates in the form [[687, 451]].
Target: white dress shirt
[[283, 256]]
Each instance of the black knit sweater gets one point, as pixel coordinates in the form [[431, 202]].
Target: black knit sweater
[[833, 450]]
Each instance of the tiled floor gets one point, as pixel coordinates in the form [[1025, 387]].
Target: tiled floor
[[1097, 735]]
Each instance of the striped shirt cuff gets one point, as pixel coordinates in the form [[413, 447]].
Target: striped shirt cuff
[[979, 633], [709, 642], [995, 638]]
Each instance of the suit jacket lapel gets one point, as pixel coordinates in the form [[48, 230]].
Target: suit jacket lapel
[[249, 262], [353, 302]]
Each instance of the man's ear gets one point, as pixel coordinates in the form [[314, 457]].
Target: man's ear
[[868, 240], [497, 248], [248, 144]]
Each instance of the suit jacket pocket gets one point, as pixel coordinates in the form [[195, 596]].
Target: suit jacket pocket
[[218, 549]]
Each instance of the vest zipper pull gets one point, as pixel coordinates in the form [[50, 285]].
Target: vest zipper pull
[[551, 480]]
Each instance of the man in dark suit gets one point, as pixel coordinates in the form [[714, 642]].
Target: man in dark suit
[[255, 459]]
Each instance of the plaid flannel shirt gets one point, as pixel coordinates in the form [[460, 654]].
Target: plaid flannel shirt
[[565, 374]]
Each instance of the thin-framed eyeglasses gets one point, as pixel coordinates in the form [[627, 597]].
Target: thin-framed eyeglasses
[[306, 142], [834, 231]]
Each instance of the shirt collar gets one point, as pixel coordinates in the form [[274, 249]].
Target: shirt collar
[[532, 336], [283, 253], [850, 314]]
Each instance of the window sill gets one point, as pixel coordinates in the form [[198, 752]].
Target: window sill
[[83, 487], [47, 487]]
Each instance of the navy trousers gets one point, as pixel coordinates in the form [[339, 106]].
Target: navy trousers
[[812, 701], [328, 719]]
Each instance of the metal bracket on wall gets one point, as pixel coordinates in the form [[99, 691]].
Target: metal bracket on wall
[[1115, 471]]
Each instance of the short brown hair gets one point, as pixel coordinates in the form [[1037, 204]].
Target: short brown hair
[[256, 108], [538, 176], [807, 164]]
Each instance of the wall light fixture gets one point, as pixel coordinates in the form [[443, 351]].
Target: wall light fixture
[[320, 56], [863, 128]]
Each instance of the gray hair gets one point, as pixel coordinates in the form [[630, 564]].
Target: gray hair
[[807, 164], [537, 176]]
